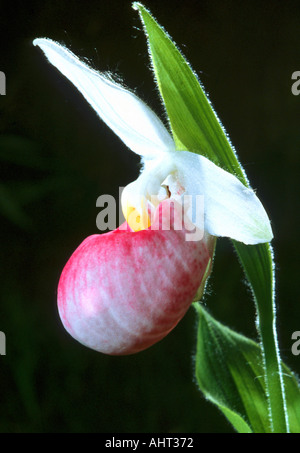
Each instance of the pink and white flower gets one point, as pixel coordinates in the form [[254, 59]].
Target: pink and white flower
[[123, 291]]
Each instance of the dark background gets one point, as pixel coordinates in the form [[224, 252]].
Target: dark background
[[56, 158]]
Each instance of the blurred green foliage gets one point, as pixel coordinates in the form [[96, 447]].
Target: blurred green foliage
[[56, 158]]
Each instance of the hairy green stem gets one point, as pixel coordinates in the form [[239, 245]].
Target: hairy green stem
[[264, 295], [273, 377]]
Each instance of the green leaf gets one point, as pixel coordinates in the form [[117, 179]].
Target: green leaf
[[195, 127], [230, 374], [292, 391], [192, 119]]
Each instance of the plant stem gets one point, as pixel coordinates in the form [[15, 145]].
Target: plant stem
[[258, 265], [273, 377]]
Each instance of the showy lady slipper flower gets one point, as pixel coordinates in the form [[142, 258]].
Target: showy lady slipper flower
[[123, 291]]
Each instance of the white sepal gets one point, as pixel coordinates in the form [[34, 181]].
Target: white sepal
[[129, 117]]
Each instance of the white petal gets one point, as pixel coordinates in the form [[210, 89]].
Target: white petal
[[147, 192], [130, 118], [230, 208]]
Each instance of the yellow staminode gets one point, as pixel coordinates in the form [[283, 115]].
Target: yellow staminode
[[137, 220]]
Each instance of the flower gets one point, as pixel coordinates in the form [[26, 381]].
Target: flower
[[122, 291]]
